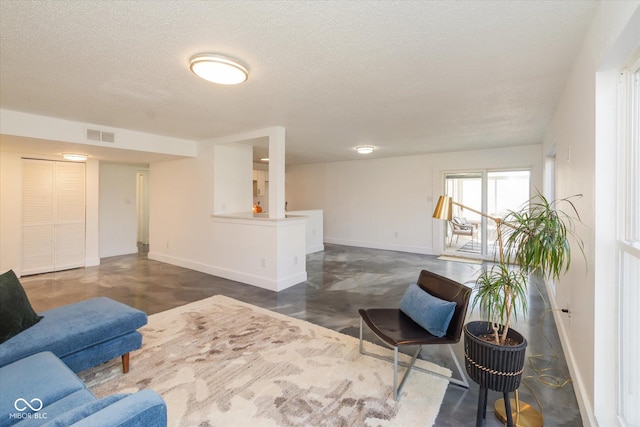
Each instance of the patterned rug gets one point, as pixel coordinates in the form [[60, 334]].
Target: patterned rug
[[221, 362]]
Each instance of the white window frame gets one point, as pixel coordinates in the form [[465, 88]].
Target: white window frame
[[628, 242]]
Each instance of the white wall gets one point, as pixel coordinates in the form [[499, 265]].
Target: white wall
[[92, 224], [50, 128], [117, 213], [183, 193], [388, 203], [314, 229], [10, 212], [180, 206], [583, 130], [233, 177]]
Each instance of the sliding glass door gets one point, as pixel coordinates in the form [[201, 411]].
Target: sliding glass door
[[464, 234], [493, 192]]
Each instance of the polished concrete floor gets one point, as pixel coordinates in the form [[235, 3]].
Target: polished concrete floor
[[340, 280]]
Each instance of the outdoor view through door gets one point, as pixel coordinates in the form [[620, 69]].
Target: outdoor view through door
[[493, 192]]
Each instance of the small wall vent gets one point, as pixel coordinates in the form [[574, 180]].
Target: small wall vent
[[102, 136], [108, 137], [93, 135]]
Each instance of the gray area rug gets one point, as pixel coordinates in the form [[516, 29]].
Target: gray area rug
[[222, 362]]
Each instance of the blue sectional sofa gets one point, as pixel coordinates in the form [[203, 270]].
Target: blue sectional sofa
[[40, 390], [82, 335], [39, 353]]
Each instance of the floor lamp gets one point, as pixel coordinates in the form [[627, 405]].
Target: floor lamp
[[525, 415], [444, 210]]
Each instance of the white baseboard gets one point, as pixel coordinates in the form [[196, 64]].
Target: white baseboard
[[118, 252], [378, 245], [314, 249], [91, 262], [237, 276], [585, 406]]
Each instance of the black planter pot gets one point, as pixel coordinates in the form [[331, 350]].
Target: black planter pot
[[493, 366]]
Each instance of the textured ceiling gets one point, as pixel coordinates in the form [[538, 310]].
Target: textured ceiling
[[405, 76]]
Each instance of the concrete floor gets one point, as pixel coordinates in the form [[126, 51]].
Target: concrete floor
[[340, 280]]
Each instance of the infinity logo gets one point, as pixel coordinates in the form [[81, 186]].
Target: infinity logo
[[24, 402]]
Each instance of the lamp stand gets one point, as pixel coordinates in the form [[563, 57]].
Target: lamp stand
[[523, 414]]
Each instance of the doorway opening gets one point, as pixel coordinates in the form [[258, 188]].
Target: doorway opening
[[142, 211]]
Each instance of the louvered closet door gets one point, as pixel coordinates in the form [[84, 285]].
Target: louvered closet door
[[70, 214], [37, 216], [53, 216]]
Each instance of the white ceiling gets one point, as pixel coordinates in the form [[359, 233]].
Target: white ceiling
[[408, 77]]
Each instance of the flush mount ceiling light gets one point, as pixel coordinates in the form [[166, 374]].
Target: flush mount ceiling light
[[365, 149], [218, 69], [75, 157]]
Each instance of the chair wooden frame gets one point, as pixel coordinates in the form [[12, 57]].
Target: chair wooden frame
[[395, 329], [463, 229]]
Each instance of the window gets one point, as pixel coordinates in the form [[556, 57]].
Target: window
[[629, 248]]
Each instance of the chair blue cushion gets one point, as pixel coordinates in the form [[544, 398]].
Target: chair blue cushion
[[432, 313]]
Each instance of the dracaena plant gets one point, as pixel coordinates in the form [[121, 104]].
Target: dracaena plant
[[537, 240], [539, 236], [501, 292]]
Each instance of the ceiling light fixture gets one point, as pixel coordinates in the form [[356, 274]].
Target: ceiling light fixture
[[365, 149], [75, 157], [264, 159], [218, 69]]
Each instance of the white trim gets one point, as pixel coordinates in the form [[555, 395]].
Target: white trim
[[628, 242], [423, 250], [238, 276], [586, 408]]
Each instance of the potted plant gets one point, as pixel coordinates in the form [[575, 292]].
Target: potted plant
[[536, 241]]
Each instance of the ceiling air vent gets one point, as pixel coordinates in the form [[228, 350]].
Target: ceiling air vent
[[102, 136], [93, 134], [108, 137]]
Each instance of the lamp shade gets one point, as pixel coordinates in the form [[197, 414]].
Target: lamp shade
[[443, 209]]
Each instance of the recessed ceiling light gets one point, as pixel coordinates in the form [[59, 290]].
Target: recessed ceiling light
[[218, 69], [365, 149], [75, 157]]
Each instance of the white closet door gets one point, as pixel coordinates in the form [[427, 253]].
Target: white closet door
[[53, 216], [70, 215], [37, 216]]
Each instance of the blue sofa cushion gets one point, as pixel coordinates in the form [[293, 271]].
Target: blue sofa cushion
[[57, 408], [41, 390], [39, 380], [83, 411], [74, 327], [16, 313], [144, 408], [103, 352], [428, 311]]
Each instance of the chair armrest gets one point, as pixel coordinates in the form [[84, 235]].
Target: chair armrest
[[144, 408]]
